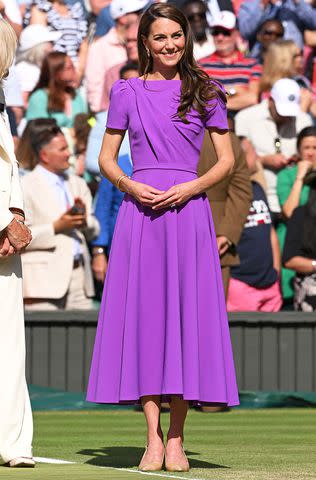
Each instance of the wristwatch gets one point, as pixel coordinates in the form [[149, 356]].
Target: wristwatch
[[98, 251]]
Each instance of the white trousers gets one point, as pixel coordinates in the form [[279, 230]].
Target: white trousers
[[16, 423]]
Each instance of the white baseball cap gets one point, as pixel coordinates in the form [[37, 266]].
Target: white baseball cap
[[118, 8], [286, 95], [224, 19], [35, 35]]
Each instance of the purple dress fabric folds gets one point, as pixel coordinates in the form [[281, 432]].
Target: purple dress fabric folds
[[163, 326]]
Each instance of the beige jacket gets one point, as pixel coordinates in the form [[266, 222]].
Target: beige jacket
[[10, 188], [48, 260]]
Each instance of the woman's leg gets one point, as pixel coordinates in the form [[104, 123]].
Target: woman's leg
[[154, 454], [175, 457]]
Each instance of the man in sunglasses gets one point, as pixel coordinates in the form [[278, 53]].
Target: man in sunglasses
[[229, 66], [296, 16], [269, 32]]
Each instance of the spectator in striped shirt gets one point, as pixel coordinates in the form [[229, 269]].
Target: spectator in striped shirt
[[229, 66]]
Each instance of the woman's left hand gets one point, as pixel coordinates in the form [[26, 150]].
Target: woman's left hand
[[175, 196]]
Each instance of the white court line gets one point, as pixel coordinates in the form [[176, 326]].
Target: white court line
[[165, 475], [52, 460], [129, 470]]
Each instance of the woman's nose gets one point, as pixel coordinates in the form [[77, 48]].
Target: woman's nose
[[169, 44]]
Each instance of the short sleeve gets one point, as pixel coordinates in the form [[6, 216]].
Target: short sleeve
[[118, 109], [216, 116]]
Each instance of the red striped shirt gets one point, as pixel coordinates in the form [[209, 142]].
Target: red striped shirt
[[239, 72]]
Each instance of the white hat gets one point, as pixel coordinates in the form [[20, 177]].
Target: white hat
[[224, 19], [118, 8], [35, 35], [286, 95]]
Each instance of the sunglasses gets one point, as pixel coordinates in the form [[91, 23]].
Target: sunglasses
[[221, 31], [272, 33]]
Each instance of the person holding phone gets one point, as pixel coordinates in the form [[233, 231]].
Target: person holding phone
[[56, 265]]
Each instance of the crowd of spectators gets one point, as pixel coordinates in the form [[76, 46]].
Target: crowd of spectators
[[57, 95]]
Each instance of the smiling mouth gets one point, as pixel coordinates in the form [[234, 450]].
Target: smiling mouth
[[171, 54]]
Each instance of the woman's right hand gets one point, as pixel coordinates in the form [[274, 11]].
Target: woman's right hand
[[143, 193], [303, 167]]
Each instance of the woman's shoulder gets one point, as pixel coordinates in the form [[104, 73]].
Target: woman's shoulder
[[39, 94], [287, 173], [122, 87]]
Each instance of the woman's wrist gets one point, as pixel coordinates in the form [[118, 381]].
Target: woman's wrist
[[126, 185]]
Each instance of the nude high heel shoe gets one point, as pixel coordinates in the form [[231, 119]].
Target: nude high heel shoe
[[153, 466], [181, 465]]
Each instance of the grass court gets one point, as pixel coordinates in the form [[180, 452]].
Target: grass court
[[270, 444]]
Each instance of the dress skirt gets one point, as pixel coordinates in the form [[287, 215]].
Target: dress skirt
[[162, 326]]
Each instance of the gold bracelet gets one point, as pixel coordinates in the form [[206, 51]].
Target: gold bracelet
[[118, 181]]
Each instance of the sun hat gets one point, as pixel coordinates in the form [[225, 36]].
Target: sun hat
[[35, 35]]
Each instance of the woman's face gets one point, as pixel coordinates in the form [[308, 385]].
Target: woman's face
[[68, 74], [166, 43], [308, 149]]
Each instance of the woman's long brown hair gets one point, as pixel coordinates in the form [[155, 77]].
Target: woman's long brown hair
[[196, 90], [52, 64]]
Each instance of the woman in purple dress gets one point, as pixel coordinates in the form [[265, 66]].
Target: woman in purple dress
[[163, 332]]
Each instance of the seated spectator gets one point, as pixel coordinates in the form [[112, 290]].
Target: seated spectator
[[295, 15], [113, 73], [35, 43], [195, 11], [268, 32], [25, 153], [254, 284], [56, 265], [55, 95], [109, 198], [110, 49], [300, 251], [70, 20], [228, 65], [292, 192], [272, 128], [284, 59]]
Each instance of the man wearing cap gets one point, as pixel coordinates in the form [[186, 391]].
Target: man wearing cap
[[272, 127], [109, 50], [228, 65], [35, 43]]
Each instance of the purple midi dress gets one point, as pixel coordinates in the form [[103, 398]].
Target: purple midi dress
[[163, 326]]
